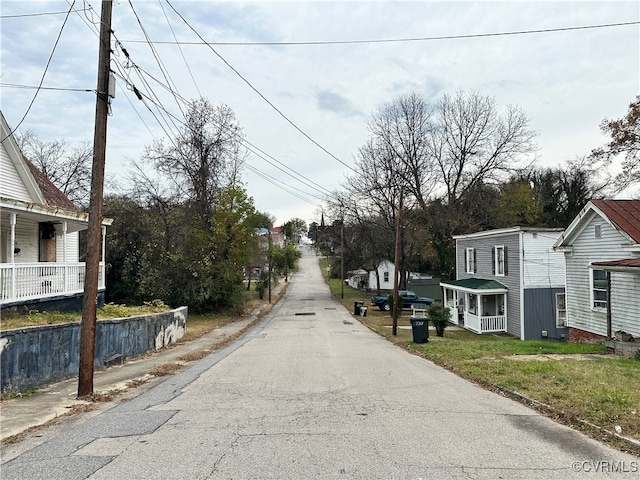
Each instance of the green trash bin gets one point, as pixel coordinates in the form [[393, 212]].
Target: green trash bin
[[420, 329]]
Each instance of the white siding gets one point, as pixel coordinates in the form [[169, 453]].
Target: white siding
[[385, 266], [625, 303], [27, 241], [11, 185], [542, 267], [587, 249]]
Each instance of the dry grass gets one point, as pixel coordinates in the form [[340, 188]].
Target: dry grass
[[166, 369]]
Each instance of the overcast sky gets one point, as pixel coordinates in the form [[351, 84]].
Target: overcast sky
[[566, 81]]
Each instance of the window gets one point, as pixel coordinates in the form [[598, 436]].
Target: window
[[598, 231], [386, 276], [599, 289], [561, 310], [473, 304], [470, 260], [499, 255]]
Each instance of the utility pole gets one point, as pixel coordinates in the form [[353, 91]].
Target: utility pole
[[89, 302], [396, 277], [342, 257]]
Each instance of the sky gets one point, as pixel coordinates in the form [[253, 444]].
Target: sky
[[304, 78]]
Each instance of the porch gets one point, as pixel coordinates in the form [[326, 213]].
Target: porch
[[476, 304], [22, 282]]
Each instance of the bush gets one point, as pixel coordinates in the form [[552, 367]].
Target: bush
[[439, 316]]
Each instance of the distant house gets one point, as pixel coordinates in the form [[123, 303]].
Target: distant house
[[39, 239], [602, 254], [383, 272], [358, 278], [509, 280]]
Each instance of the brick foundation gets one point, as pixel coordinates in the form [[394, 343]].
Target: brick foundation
[[582, 336]]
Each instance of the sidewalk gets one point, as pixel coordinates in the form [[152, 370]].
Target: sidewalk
[[19, 414]]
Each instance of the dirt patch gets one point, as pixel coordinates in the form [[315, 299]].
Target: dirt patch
[[550, 356]]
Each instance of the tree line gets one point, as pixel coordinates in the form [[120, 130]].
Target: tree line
[[186, 232], [459, 165]]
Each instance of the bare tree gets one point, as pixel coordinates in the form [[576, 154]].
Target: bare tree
[[68, 167], [473, 143], [204, 158], [400, 133], [625, 141]]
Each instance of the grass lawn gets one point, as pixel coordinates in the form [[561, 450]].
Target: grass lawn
[[578, 382]]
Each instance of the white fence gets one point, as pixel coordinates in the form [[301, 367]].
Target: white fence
[[29, 281]]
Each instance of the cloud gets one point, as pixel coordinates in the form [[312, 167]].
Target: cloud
[[334, 102]]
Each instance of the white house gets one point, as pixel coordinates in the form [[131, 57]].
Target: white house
[[385, 272], [39, 240], [602, 254], [509, 280]]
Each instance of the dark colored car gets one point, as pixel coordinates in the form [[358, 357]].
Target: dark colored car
[[409, 298]]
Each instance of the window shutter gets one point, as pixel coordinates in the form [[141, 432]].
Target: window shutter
[[493, 260], [475, 263], [506, 263]]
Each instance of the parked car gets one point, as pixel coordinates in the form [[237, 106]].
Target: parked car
[[409, 298]]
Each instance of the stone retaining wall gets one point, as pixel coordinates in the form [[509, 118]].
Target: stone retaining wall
[[34, 356]]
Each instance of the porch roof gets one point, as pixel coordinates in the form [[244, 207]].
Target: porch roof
[[479, 286]]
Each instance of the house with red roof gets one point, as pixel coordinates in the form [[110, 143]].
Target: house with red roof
[[40, 264], [602, 255]]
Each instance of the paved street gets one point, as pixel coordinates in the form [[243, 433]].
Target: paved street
[[310, 393]]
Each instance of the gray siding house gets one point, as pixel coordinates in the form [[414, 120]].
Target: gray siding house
[[602, 254], [509, 280]]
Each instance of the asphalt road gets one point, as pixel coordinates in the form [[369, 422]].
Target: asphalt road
[[310, 393]]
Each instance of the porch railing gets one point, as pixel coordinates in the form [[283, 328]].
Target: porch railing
[[29, 281], [495, 323]]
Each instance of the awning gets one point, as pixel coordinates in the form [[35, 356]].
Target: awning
[[478, 286]]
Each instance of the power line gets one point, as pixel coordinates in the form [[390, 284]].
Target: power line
[[308, 182], [400, 40], [163, 69], [41, 14], [260, 94], [180, 49], [44, 73], [35, 87], [284, 186]]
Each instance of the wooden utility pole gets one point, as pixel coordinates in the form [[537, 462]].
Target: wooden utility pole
[[94, 240], [396, 277], [270, 264], [342, 257]]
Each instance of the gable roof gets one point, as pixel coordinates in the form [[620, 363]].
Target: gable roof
[[53, 196], [623, 215], [17, 166]]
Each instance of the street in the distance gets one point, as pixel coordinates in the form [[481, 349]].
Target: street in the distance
[[312, 393]]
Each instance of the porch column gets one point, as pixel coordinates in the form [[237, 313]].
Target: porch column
[[64, 241], [65, 272], [14, 287], [12, 254]]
